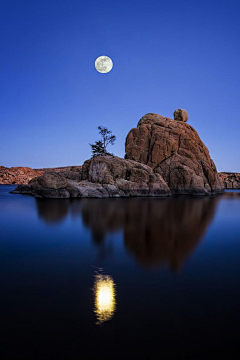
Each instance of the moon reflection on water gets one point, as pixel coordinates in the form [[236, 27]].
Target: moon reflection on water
[[105, 298]]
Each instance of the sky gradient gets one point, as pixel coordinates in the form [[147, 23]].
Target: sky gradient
[[166, 55]]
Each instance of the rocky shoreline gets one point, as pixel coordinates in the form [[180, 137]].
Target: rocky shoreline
[[163, 157], [100, 177], [22, 175], [230, 180]]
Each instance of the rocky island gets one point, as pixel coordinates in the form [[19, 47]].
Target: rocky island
[[163, 157]]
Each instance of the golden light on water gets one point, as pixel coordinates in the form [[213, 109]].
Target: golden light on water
[[105, 298]]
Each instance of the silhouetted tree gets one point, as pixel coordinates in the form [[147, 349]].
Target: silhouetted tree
[[100, 147]]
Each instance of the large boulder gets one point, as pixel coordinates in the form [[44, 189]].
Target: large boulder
[[51, 180], [180, 115], [174, 150], [49, 185]]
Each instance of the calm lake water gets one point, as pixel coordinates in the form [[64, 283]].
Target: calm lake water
[[119, 278]]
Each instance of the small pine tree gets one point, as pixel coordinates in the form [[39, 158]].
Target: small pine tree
[[100, 147], [97, 148]]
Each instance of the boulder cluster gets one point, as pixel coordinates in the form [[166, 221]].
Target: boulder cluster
[[163, 157], [100, 177]]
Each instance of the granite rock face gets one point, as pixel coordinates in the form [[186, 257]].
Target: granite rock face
[[100, 177], [51, 180], [174, 150], [230, 180], [129, 177]]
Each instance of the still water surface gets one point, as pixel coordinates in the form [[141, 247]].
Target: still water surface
[[119, 278]]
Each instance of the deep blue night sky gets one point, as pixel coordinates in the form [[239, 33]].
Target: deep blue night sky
[[166, 54]]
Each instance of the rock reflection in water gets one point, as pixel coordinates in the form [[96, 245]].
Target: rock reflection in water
[[232, 194], [52, 210], [105, 302], [167, 233], [157, 232]]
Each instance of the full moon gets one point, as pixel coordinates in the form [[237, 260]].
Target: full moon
[[103, 64]]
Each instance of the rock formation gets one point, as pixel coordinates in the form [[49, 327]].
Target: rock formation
[[103, 176], [180, 115], [163, 157], [174, 150], [230, 180], [22, 175]]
